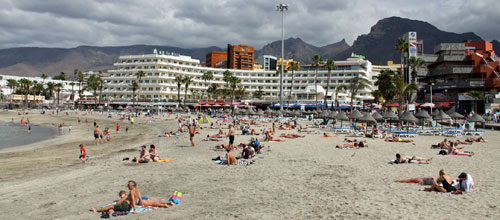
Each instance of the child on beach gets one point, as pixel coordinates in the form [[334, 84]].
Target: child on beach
[[83, 154]]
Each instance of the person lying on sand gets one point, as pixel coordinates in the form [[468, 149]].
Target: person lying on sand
[[291, 136], [395, 139], [418, 180], [350, 140], [347, 145], [413, 159], [479, 139], [462, 142], [328, 136], [443, 183], [125, 202], [212, 139]]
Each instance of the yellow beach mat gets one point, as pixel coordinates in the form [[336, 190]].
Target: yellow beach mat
[[164, 160]]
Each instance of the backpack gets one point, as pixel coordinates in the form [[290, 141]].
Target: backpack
[[443, 152]]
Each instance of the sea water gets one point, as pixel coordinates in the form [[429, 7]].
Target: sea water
[[12, 134]]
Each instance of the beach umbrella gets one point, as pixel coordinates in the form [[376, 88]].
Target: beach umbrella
[[324, 114], [120, 107], [422, 114], [355, 115], [442, 116], [455, 116], [390, 116], [314, 112], [452, 109], [407, 117], [251, 112], [342, 117], [260, 113], [367, 118], [377, 116], [476, 118], [268, 112], [236, 111], [434, 113], [228, 110], [332, 115]]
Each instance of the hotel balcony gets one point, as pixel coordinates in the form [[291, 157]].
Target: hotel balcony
[[455, 69], [459, 85]]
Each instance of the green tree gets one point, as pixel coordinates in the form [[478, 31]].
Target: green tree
[[102, 84], [93, 85], [58, 87], [12, 84], [81, 79], [338, 88], [330, 65], [134, 85], [25, 89], [179, 80], [51, 87], [357, 83], [207, 76], [213, 91], [258, 94], [386, 85], [317, 60], [240, 93], [233, 84], [415, 64], [402, 90], [187, 81], [139, 75], [294, 66], [477, 96], [402, 47]]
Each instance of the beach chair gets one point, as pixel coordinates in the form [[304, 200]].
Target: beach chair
[[341, 130], [474, 132], [452, 134]]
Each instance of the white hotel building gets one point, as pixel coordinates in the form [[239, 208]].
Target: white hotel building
[[158, 85]]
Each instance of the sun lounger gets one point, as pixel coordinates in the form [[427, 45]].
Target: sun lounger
[[452, 134], [406, 134], [474, 132], [341, 130]]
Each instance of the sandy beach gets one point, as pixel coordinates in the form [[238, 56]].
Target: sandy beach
[[303, 178]]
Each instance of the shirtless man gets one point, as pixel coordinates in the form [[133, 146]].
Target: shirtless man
[[328, 136], [230, 134], [191, 134], [96, 134], [146, 202], [143, 157], [125, 202], [230, 158]]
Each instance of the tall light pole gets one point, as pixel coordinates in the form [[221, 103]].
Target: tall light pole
[[431, 96], [282, 8]]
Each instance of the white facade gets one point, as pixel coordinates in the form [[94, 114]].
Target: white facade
[[161, 70]]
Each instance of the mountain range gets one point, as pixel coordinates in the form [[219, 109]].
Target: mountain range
[[377, 46]]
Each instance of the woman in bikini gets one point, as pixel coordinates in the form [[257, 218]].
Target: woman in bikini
[[407, 159], [153, 153], [442, 184]]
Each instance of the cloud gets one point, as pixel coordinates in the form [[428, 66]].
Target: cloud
[[202, 23]]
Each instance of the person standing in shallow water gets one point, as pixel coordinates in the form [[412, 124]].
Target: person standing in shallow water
[[191, 134]]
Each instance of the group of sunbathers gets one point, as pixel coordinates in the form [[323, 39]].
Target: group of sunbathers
[[131, 200], [352, 143], [450, 147], [444, 183], [145, 155]]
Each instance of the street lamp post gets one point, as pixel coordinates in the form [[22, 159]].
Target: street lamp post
[[282, 8], [431, 96]]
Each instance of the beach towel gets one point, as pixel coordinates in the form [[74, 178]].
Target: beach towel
[[164, 160], [461, 154], [176, 198]]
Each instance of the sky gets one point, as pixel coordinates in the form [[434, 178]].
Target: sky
[[203, 23]]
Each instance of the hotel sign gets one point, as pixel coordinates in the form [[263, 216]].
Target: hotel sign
[[412, 44]]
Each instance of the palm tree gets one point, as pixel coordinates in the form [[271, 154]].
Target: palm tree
[[179, 80], [58, 86], [139, 76], [101, 83], [93, 85], [134, 86], [227, 77], [44, 76], [213, 91], [330, 64], [240, 93], [51, 87], [415, 64], [293, 66], [187, 81], [402, 47], [207, 76], [477, 96], [233, 83], [258, 94], [402, 90], [317, 59], [338, 88], [72, 84], [12, 84], [357, 83], [25, 88]]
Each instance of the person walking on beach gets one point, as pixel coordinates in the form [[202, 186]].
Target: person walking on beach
[[96, 135], [191, 134], [230, 134], [117, 127]]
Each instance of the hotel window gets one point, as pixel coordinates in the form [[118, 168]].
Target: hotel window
[[341, 81]]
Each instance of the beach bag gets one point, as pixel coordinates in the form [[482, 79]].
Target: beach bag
[[176, 198], [443, 152]]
